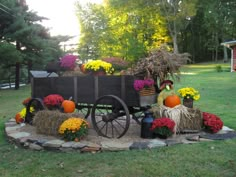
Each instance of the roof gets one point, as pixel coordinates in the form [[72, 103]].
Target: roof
[[229, 43], [40, 74]]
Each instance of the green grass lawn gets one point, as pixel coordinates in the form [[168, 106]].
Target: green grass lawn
[[211, 159]]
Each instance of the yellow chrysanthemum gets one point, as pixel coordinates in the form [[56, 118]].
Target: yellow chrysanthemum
[[189, 92], [99, 65], [73, 124]]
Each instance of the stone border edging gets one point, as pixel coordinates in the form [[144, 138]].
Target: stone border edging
[[25, 139]]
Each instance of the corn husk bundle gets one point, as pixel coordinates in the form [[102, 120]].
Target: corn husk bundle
[[186, 119], [48, 122]]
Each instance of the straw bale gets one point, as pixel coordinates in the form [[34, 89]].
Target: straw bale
[[186, 119], [48, 122]]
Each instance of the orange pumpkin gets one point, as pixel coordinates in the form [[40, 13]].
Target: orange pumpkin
[[82, 68], [68, 106], [18, 118], [172, 101]]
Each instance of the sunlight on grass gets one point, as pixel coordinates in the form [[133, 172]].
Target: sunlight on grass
[[187, 73]]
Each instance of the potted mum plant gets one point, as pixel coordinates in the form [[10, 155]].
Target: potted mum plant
[[68, 62], [73, 129], [53, 101], [212, 123], [146, 90], [163, 127], [189, 94], [98, 67]]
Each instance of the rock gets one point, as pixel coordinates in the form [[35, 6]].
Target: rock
[[205, 140], [139, 145], [35, 147], [10, 124], [185, 141], [225, 130], [78, 145], [9, 129], [115, 145], [53, 143], [90, 149], [172, 142], [215, 136], [68, 144], [18, 135], [156, 143], [193, 138]]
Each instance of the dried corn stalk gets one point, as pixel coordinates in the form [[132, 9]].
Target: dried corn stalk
[[160, 64]]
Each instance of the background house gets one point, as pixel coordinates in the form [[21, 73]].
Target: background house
[[232, 46]]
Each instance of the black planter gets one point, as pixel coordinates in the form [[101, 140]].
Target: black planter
[[188, 102], [157, 135]]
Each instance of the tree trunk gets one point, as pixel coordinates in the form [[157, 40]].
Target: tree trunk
[[17, 76], [175, 45], [29, 68], [225, 54], [174, 38], [17, 69]]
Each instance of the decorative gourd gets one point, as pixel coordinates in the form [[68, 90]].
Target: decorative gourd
[[172, 101], [18, 118], [68, 106]]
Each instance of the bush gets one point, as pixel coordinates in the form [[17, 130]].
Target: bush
[[219, 68]]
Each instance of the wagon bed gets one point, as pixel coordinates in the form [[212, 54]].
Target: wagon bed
[[87, 89]]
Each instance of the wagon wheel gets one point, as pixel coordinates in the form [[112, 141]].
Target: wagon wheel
[[110, 116], [84, 109], [38, 105]]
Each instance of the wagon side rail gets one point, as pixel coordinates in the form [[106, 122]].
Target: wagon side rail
[[87, 89]]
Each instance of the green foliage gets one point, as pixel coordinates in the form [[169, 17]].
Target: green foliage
[[70, 135], [219, 68], [127, 31], [21, 29]]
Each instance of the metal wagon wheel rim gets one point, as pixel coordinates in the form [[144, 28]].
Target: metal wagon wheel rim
[[37, 104], [110, 120]]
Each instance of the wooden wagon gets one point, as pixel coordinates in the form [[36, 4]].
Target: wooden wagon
[[110, 100]]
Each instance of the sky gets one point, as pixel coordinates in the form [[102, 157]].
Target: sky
[[61, 14]]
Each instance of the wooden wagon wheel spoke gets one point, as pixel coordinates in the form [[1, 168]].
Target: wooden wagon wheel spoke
[[113, 127], [114, 113], [119, 124], [101, 128]]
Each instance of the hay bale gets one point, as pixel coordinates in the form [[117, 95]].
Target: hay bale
[[186, 119], [48, 122]]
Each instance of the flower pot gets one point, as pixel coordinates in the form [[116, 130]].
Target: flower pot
[[98, 73], [147, 91], [188, 102], [147, 100]]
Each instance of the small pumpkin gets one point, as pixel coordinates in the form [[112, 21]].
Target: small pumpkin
[[68, 106], [18, 118], [83, 69], [172, 101]]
